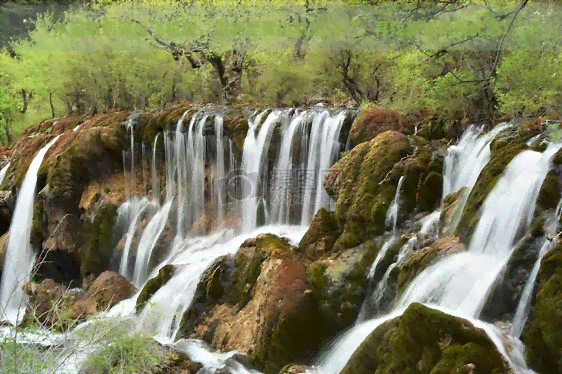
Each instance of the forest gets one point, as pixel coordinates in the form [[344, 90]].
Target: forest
[[479, 60]]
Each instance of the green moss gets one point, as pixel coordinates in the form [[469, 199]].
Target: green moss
[[274, 246], [37, 224], [321, 234], [542, 334], [340, 285], [247, 268], [99, 241], [422, 340], [153, 285], [364, 183]]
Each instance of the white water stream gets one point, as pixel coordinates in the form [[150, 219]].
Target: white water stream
[[19, 258]]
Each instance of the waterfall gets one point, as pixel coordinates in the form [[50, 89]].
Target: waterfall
[[462, 282], [19, 259], [522, 312], [137, 206], [3, 172], [154, 172], [464, 163], [164, 310], [256, 145], [391, 219], [309, 146], [190, 159], [147, 242]]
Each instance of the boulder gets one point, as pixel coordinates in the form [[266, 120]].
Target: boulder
[[542, 334], [55, 305], [424, 340], [363, 185], [340, 283], [258, 302], [108, 289], [373, 121], [420, 259], [321, 235]]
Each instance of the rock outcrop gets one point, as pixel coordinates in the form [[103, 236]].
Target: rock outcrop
[[55, 305], [542, 334], [424, 340], [260, 303]]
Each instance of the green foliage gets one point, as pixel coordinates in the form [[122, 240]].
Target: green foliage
[[21, 358], [127, 354], [466, 58]]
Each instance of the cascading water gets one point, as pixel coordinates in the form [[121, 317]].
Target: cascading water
[[194, 157], [19, 254], [460, 284], [309, 146], [3, 172], [464, 162], [522, 311]]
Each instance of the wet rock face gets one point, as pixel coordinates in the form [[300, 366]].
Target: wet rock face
[[7, 205], [424, 340], [542, 334], [340, 283], [321, 235], [503, 301], [420, 259], [109, 288], [450, 210], [55, 305], [258, 302]]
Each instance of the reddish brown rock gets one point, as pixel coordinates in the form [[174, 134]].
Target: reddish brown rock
[[373, 121], [277, 326], [109, 288]]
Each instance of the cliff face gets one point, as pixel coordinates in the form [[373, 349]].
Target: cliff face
[[275, 302]]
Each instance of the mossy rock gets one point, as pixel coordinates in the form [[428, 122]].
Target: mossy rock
[[433, 128], [425, 340], [507, 144], [450, 210], [153, 285], [321, 235], [231, 280], [340, 285], [373, 121], [542, 334], [236, 127], [364, 184], [99, 241], [422, 258]]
